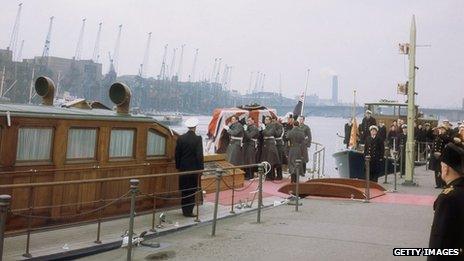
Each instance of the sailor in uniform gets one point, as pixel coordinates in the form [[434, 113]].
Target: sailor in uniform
[[296, 139], [366, 123], [250, 144], [437, 150], [189, 156], [375, 148], [402, 139], [287, 127], [269, 148], [447, 230], [234, 150]]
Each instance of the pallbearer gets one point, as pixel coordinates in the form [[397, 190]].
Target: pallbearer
[[296, 140], [250, 144], [280, 147], [308, 139], [269, 148], [234, 150], [375, 148]]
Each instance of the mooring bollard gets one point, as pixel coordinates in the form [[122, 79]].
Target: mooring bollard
[[134, 185], [4, 205], [297, 185], [219, 173], [368, 168], [260, 191]]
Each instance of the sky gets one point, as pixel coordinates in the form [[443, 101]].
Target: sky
[[356, 40]]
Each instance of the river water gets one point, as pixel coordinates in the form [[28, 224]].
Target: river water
[[324, 130]]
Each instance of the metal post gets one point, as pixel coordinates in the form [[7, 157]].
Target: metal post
[[395, 156], [134, 184], [297, 185], [401, 159], [219, 173], [153, 215], [260, 191], [4, 205], [233, 193], [323, 162], [386, 167], [98, 241], [197, 198], [367, 191], [29, 222]]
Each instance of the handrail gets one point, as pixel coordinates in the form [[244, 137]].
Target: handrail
[[152, 175], [318, 160]]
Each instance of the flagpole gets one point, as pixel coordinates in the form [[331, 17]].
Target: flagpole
[[306, 89], [354, 104]]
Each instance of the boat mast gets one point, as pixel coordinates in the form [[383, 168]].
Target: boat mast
[[304, 95], [31, 85], [2, 82], [411, 106]]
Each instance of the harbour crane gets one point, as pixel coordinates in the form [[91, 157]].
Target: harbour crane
[[46, 50], [173, 62], [218, 70], [195, 57], [214, 69], [262, 83], [96, 49], [144, 65], [249, 83], [14, 34], [181, 58], [20, 51], [116, 49], [162, 74], [80, 42]]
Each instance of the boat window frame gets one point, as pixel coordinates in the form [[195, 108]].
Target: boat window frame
[[151, 129], [48, 161], [83, 160], [134, 145]]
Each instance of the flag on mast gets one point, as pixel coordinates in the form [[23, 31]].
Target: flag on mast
[[354, 134]]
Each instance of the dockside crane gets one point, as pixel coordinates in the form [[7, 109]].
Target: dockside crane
[[20, 51], [144, 65], [46, 49], [249, 83], [14, 34], [218, 70], [262, 82], [173, 63], [181, 61], [96, 49], [116, 50], [195, 57], [213, 73], [162, 74], [80, 42]]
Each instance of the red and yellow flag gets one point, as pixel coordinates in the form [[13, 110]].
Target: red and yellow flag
[[354, 134]]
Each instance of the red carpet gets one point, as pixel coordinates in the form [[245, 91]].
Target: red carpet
[[408, 199]]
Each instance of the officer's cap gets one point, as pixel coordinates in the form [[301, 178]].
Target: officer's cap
[[191, 122], [368, 112], [453, 156], [404, 126], [427, 124], [373, 127]]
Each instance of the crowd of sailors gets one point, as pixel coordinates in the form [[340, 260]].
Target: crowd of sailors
[[277, 141], [429, 142]]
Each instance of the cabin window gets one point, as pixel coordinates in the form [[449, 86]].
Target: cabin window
[[34, 144], [156, 144], [122, 143], [81, 143]]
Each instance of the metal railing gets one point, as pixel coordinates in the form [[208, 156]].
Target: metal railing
[[133, 193], [318, 161]]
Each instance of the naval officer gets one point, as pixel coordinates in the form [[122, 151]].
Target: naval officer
[[375, 148], [189, 156], [447, 230]]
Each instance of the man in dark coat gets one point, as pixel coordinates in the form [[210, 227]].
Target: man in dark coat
[[366, 123], [308, 139], [382, 131], [287, 127], [296, 139], [375, 148], [402, 139], [189, 156], [250, 144], [269, 149], [234, 150], [447, 230], [392, 138], [346, 138]]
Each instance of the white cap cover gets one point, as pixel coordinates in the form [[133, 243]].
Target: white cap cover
[[191, 122]]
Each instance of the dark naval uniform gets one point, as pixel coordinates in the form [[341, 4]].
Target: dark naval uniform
[[402, 139], [287, 128], [375, 148], [346, 138], [250, 144], [189, 156], [448, 222], [364, 128], [269, 149], [280, 148], [296, 141], [234, 150], [435, 163]]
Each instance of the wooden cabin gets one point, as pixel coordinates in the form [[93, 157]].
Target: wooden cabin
[[44, 143]]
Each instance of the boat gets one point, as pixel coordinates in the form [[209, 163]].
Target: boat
[[350, 162]]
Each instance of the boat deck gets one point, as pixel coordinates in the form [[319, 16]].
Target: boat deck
[[323, 229]]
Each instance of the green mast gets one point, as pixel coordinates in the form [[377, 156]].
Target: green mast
[[411, 106]]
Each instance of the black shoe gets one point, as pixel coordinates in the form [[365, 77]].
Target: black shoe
[[189, 215]]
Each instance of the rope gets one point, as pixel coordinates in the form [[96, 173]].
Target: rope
[[75, 215], [241, 189], [172, 198]]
